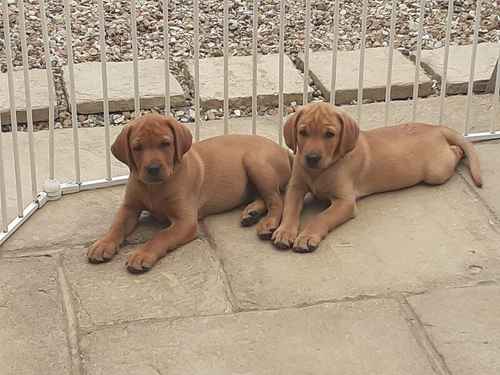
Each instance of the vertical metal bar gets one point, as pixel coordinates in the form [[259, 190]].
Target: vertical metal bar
[[364, 15], [333, 87], [74, 109], [133, 24], [166, 51], [388, 85], [496, 99], [418, 58], [104, 77], [3, 194], [307, 42], [470, 88], [27, 93], [50, 81], [12, 100], [444, 75], [226, 66], [255, 25], [196, 44], [281, 103]]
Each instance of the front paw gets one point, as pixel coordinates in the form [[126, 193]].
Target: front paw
[[306, 242], [283, 238], [141, 261], [102, 251], [267, 226]]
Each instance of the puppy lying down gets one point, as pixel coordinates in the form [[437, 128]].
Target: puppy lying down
[[181, 182], [337, 162]]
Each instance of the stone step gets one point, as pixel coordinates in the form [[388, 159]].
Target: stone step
[[459, 66], [39, 96], [240, 81], [88, 86], [375, 75]]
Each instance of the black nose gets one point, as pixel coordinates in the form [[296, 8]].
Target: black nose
[[153, 169], [313, 159]]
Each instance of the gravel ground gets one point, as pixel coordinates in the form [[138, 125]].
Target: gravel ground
[[85, 28]]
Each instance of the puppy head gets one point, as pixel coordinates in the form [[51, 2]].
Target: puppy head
[[151, 146], [320, 134]]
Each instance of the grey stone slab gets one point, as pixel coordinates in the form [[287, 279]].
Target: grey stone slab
[[32, 337], [464, 325], [375, 75], [88, 86], [187, 282], [76, 219], [240, 80], [459, 66], [409, 240], [368, 337], [39, 89]]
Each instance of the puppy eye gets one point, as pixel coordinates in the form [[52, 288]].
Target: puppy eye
[[329, 134], [303, 133], [164, 144], [137, 147]]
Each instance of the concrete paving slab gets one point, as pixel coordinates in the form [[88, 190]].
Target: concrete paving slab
[[32, 337], [348, 338], [240, 81], [39, 96], [88, 86], [408, 240], [75, 219], [489, 155], [464, 324], [403, 75], [459, 66], [187, 282]]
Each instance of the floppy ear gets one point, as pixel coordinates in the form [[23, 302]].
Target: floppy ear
[[290, 130], [349, 135], [182, 138], [121, 148]]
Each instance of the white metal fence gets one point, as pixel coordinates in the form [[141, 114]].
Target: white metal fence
[[53, 189]]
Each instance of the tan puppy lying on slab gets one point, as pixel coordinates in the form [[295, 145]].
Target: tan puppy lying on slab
[[339, 163], [182, 183]]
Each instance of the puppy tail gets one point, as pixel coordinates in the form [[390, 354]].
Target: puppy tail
[[454, 138]]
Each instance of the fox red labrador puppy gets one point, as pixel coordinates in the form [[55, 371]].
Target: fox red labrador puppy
[[180, 182], [339, 163]]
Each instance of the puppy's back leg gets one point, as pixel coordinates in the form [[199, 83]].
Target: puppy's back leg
[[440, 170], [266, 179], [253, 212]]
